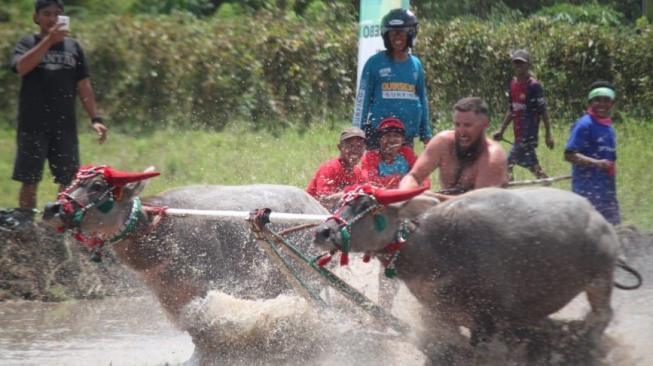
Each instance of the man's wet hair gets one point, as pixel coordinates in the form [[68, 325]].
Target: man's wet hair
[[472, 104], [601, 84]]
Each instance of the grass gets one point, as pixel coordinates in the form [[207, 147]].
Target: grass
[[236, 156]]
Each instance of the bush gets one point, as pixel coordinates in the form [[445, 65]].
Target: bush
[[586, 13], [148, 70]]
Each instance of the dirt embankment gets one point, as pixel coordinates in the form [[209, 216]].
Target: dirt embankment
[[37, 263]]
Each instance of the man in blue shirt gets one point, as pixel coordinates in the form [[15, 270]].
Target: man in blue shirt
[[392, 83], [591, 149]]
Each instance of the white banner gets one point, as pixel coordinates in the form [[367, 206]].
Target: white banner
[[369, 34]]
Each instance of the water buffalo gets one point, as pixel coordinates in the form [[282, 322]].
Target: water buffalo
[[179, 258], [489, 260]]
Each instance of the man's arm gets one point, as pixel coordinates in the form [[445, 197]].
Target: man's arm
[[363, 99], [32, 58], [87, 97], [425, 131], [577, 158], [498, 136], [548, 137], [494, 173], [542, 111], [426, 163]]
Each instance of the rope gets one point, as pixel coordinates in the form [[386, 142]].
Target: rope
[[621, 264], [332, 280]]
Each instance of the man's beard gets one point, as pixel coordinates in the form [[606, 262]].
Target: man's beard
[[471, 152]]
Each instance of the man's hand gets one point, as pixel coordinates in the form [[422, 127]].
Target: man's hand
[[330, 201], [549, 141], [56, 34], [101, 130], [604, 164], [498, 136]]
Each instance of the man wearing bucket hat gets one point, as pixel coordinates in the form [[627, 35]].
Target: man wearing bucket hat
[[385, 167], [592, 151], [335, 174], [53, 70], [525, 109]]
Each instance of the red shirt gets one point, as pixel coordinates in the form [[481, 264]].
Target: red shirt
[[332, 177], [527, 104]]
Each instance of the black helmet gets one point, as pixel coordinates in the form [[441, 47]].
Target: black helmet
[[397, 19]]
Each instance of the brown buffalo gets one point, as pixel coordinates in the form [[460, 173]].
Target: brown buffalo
[[489, 260], [180, 259]]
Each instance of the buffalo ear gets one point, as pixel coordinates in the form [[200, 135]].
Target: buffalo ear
[[331, 201], [131, 190]]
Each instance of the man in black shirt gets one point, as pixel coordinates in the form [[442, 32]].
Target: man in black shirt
[[53, 71]]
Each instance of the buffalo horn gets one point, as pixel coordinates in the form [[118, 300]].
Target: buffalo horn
[[118, 178], [388, 196]]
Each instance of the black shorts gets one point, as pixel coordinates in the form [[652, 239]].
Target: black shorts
[[523, 154], [61, 148]]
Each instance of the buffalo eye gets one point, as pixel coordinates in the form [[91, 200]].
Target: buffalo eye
[[97, 186], [364, 205]]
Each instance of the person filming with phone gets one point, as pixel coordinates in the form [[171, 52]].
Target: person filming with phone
[[53, 70]]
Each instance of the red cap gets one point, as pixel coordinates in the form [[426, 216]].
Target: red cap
[[391, 124]]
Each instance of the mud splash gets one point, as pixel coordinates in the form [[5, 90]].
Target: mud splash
[[288, 331]]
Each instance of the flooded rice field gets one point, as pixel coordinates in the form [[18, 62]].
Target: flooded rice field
[[288, 331]]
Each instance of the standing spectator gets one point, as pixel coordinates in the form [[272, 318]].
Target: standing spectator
[[385, 167], [592, 151], [392, 83], [335, 174], [53, 71], [526, 107]]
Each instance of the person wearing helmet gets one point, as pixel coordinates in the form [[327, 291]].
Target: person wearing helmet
[[386, 166], [393, 84], [592, 151]]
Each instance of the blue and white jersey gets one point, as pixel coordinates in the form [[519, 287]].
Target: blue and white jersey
[[597, 185], [390, 88]]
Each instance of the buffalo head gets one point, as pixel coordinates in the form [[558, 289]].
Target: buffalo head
[[362, 222], [98, 200]]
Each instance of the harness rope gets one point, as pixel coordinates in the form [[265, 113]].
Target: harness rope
[[94, 242], [380, 224]]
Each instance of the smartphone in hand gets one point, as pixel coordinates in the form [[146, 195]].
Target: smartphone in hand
[[65, 20]]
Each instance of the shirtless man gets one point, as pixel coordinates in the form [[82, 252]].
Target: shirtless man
[[467, 159]]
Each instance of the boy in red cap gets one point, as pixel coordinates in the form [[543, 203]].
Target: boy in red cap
[[385, 167]]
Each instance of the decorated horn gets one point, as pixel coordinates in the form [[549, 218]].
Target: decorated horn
[[388, 196], [118, 178]]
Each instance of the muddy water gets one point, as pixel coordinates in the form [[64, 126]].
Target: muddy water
[[284, 330], [116, 331]]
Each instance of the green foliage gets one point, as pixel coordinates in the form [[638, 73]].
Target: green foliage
[[272, 68], [196, 7], [588, 13], [471, 57]]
